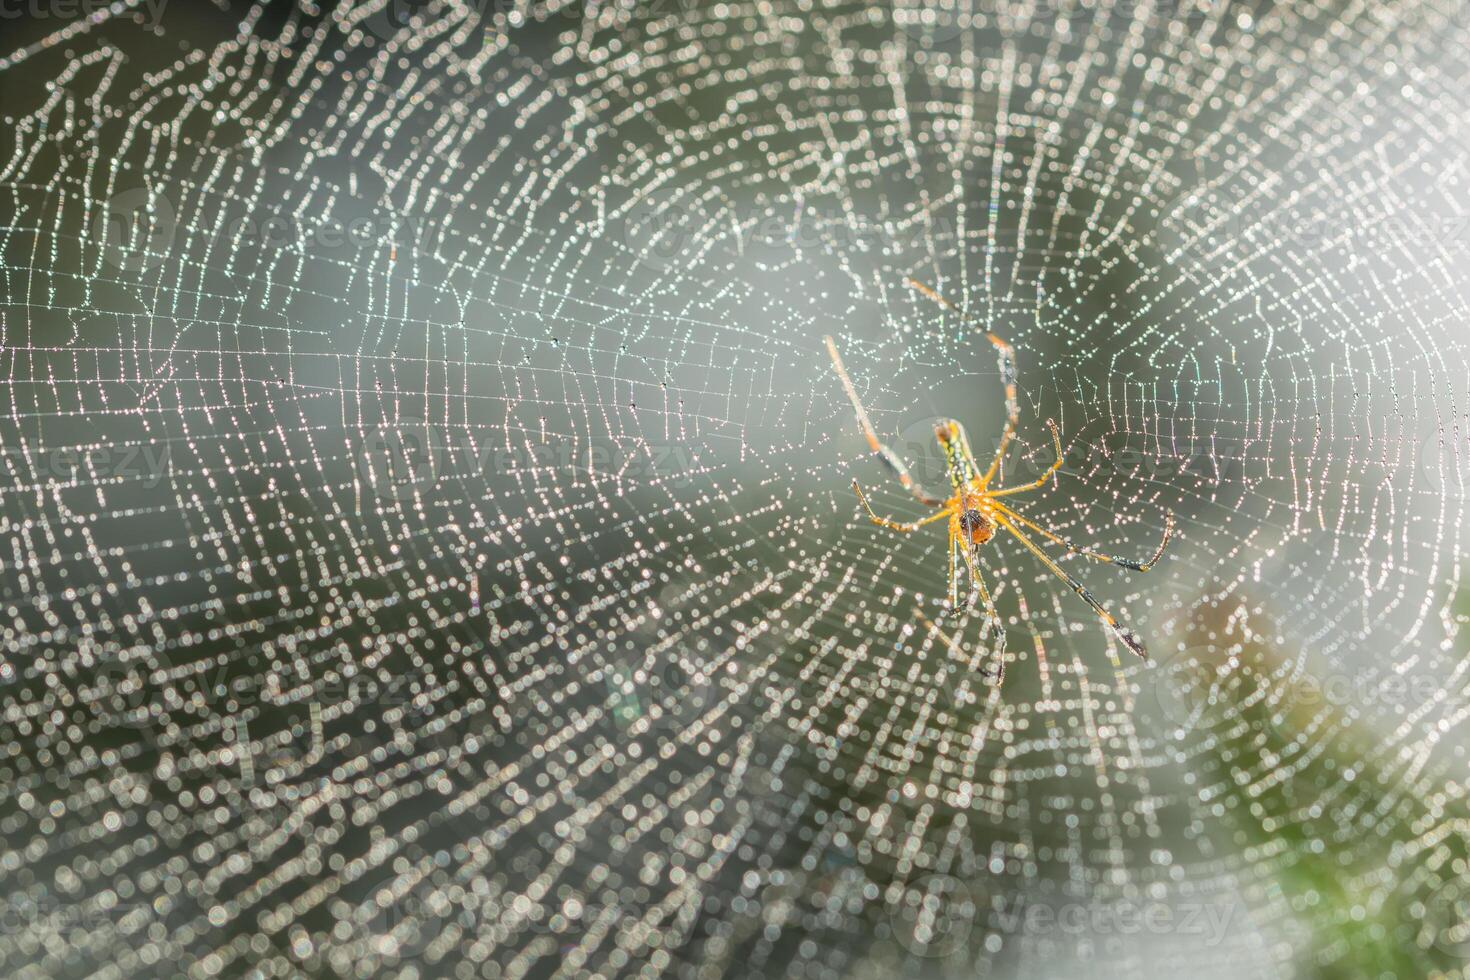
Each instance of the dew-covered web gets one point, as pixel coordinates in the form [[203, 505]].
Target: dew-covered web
[[428, 542]]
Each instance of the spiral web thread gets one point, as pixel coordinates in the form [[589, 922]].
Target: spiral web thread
[[427, 541]]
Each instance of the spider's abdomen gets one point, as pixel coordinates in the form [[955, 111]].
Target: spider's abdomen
[[977, 526]]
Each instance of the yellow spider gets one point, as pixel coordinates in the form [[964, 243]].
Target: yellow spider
[[975, 511]]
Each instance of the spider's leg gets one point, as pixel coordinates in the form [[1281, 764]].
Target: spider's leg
[[953, 646], [954, 570], [1124, 633], [1000, 453], [888, 522], [1137, 566], [970, 564], [992, 617], [884, 453], [1040, 481], [1007, 356]]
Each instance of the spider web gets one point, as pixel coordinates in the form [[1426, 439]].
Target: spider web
[[427, 534]]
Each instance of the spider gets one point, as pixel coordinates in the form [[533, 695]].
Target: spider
[[974, 510]]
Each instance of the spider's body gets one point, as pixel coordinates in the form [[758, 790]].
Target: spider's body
[[978, 526], [975, 511], [968, 507]]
